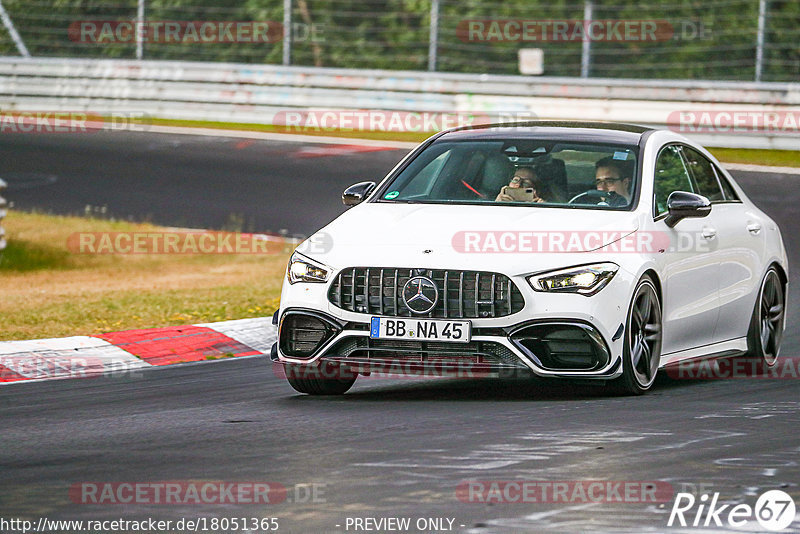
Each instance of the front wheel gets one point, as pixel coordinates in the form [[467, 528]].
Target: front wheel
[[327, 378], [642, 349]]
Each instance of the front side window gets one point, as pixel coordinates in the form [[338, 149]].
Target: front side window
[[529, 172], [671, 175]]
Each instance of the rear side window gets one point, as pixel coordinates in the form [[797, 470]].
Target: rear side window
[[704, 175], [727, 188], [671, 175]]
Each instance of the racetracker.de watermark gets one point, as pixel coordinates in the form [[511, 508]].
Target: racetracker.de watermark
[[320, 120], [71, 122], [735, 121], [177, 242], [402, 370], [175, 31], [564, 31], [201, 492], [569, 241], [563, 492], [785, 368], [20, 367]]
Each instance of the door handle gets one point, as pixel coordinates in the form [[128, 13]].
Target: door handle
[[754, 228], [709, 233]]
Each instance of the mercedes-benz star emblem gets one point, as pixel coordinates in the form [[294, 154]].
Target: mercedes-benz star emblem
[[420, 294]]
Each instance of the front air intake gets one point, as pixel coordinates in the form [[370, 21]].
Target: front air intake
[[302, 334], [563, 346]]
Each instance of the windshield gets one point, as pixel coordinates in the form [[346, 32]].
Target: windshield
[[519, 172]]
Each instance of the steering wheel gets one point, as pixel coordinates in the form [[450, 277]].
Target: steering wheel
[[592, 196], [596, 197]]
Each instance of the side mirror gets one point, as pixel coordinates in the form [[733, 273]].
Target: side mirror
[[356, 193], [682, 205]]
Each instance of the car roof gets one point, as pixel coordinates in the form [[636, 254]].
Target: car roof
[[579, 131]]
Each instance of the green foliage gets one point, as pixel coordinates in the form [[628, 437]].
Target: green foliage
[[711, 39]]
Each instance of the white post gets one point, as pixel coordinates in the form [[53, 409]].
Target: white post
[[586, 49], [140, 29], [287, 32], [762, 16], [12, 31], [433, 39]]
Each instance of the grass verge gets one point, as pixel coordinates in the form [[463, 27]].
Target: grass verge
[[777, 158], [412, 137], [49, 291]]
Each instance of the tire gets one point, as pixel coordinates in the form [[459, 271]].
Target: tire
[[328, 378], [766, 325], [642, 349]]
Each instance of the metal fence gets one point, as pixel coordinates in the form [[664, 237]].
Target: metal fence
[[753, 40], [129, 89]]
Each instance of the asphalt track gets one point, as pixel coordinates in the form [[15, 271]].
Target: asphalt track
[[185, 180], [389, 448]]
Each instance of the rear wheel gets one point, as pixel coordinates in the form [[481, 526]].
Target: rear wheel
[[642, 349], [766, 326], [328, 378]]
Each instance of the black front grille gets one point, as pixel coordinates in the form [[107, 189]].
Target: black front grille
[[479, 352], [462, 294]]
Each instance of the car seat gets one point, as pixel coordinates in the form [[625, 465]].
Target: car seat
[[495, 174], [554, 172]]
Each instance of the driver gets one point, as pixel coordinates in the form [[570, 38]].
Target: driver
[[614, 176]]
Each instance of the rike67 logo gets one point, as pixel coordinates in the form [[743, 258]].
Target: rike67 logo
[[774, 510]]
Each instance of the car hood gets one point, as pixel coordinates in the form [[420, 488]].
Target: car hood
[[512, 239]]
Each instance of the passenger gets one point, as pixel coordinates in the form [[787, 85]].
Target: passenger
[[525, 178]]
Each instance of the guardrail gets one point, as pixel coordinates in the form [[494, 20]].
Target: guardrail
[[257, 93], [2, 214]]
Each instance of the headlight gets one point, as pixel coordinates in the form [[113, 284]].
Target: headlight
[[586, 279], [302, 269]]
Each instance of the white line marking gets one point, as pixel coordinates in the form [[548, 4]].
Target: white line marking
[[761, 168], [269, 136]]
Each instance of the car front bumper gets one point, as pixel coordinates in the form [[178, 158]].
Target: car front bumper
[[554, 335]]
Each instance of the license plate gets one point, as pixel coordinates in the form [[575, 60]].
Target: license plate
[[420, 329]]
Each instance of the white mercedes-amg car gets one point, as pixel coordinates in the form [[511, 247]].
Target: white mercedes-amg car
[[566, 250]]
